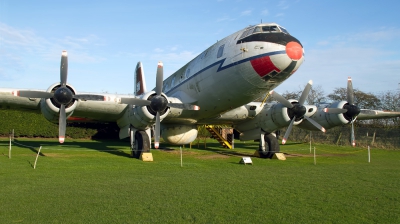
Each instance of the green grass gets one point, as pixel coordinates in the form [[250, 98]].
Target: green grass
[[97, 182]]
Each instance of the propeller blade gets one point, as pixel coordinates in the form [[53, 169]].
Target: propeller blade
[[64, 68], [281, 99], [89, 97], [62, 124], [184, 106], [157, 131], [335, 110], [289, 129], [305, 93], [135, 101], [315, 124], [353, 140], [159, 80], [35, 94], [350, 92]]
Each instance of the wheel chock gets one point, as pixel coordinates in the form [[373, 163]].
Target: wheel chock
[[146, 157], [279, 155]]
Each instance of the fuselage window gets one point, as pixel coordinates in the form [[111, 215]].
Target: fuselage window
[[187, 74], [220, 51], [173, 82], [166, 87]]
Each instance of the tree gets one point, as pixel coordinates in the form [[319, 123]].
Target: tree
[[294, 95], [316, 95], [361, 99], [390, 100]]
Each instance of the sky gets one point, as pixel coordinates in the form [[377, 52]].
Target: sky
[[105, 40]]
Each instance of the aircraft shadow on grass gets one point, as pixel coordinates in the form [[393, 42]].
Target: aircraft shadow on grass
[[217, 148], [106, 146]]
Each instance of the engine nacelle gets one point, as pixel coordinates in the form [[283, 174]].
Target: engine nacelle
[[272, 117], [179, 134], [327, 120], [141, 117], [51, 109]]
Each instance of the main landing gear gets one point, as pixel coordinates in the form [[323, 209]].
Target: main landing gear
[[140, 142], [268, 146]]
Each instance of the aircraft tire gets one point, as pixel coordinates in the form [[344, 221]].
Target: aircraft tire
[[271, 146], [142, 144]]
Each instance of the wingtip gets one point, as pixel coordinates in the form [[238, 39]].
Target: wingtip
[[323, 130], [349, 78], [283, 141], [61, 139], [160, 64], [156, 145], [196, 107], [64, 53], [310, 82]]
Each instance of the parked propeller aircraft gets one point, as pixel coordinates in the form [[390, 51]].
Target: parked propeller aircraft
[[216, 87]]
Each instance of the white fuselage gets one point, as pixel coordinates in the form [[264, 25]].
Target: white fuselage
[[231, 73]]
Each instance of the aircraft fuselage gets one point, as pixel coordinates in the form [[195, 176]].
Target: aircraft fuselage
[[235, 70]]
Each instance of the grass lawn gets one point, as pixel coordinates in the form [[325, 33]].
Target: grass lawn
[[97, 182]]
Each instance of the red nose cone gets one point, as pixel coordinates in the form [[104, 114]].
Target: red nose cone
[[294, 50]]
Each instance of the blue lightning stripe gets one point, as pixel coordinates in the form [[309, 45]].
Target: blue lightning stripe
[[221, 62]]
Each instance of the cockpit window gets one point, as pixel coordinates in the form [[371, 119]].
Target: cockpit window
[[247, 32], [257, 29], [270, 29], [263, 29], [284, 30]]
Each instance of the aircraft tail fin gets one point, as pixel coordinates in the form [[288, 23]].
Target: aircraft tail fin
[[140, 82]]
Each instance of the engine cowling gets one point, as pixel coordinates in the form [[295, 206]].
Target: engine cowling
[[141, 117], [179, 134], [327, 120], [51, 109], [272, 117]]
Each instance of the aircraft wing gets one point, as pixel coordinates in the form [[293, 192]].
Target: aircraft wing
[[109, 110], [376, 114]]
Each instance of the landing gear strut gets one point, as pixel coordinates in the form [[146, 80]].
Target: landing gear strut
[[269, 145]]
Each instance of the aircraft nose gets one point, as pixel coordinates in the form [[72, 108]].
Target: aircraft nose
[[294, 50]]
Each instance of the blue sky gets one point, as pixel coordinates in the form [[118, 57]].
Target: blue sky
[[105, 40]]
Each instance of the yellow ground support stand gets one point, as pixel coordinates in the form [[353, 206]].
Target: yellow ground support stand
[[146, 157], [218, 137]]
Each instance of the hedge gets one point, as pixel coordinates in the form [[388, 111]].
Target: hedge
[[32, 124]]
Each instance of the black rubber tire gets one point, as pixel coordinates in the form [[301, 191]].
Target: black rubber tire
[[142, 144], [271, 146]]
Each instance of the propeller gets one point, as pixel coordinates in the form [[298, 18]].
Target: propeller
[[61, 96], [296, 110], [349, 110], [158, 103]]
